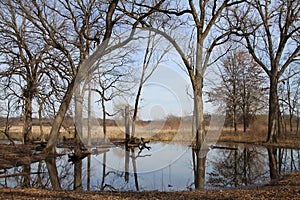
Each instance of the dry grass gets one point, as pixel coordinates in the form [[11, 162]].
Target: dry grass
[[15, 132], [256, 134]]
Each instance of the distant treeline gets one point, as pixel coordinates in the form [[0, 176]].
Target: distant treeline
[[69, 121]]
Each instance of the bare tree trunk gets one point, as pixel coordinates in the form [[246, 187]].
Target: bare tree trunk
[[235, 119], [290, 106], [26, 177], [135, 169], [194, 157], [291, 122], [104, 117], [89, 173], [53, 173], [200, 137], [245, 161], [78, 136], [41, 121], [200, 169], [103, 170], [280, 158], [136, 105], [78, 112], [236, 171], [194, 123], [27, 126], [281, 125], [78, 175], [200, 126], [54, 133], [127, 138], [273, 162], [245, 111], [273, 111], [292, 160], [39, 178], [89, 116], [234, 87], [127, 124], [245, 121]]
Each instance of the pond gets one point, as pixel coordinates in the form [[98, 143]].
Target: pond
[[164, 167]]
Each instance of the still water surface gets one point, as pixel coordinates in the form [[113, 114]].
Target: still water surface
[[165, 167]]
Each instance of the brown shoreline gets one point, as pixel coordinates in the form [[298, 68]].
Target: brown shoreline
[[287, 187]]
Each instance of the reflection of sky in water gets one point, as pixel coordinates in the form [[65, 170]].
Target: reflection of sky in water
[[160, 156], [163, 165], [169, 168]]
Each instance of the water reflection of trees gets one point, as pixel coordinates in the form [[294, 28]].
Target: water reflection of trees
[[199, 162], [241, 167], [228, 168], [288, 160], [112, 179], [42, 174], [55, 173]]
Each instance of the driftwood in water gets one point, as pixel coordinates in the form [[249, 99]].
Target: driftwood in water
[[141, 143], [207, 148], [222, 147]]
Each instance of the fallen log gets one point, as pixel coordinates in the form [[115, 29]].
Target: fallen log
[[222, 147]]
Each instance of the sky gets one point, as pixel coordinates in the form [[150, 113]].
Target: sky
[[165, 93], [168, 91]]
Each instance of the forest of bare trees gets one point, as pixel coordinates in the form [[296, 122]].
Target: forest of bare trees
[[56, 54]]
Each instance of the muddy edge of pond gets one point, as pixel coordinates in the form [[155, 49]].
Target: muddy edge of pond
[[287, 187]]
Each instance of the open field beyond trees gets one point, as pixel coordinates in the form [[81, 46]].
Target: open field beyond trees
[[176, 130]]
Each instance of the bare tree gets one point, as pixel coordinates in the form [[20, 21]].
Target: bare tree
[[110, 82], [242, 88], [149, 65], [270, 32], [22, 58], [206, 35]]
